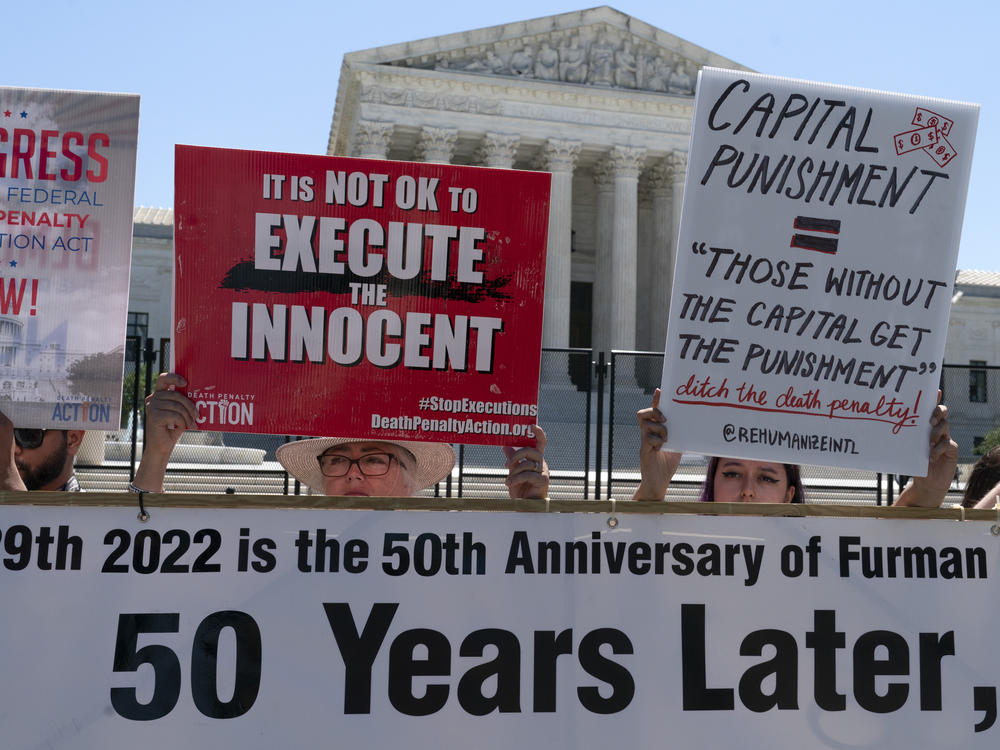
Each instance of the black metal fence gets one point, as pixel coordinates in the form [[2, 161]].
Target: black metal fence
[[587, 406]]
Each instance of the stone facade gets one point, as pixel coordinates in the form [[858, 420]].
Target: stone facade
[[151, 282], [604, 102], [600, 99], [973, 393]]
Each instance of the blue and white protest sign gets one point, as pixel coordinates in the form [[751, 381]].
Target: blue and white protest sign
[[67, 179]]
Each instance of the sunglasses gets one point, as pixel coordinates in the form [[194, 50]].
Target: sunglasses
[[28, 439]]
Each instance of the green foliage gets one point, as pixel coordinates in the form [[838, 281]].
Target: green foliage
[[128, 388], [89, 375], [991, 440]]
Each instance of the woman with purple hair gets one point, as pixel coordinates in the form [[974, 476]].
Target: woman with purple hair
[[737, 480]]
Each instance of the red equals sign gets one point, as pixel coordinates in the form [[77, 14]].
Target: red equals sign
[[812, 241]]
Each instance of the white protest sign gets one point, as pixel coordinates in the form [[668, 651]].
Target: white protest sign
[[67, 178], [300, 628], [816, 255]]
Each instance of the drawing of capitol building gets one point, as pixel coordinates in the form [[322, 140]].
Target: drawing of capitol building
[[11, 335], [30, 371]]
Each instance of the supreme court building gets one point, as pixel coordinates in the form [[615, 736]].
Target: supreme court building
[[604, 102], [601, 100]]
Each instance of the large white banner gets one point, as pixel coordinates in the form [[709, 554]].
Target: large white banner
[[317, 628], [815, 262], [67, 179]]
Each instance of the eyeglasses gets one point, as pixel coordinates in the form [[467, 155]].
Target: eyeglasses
[[370, 464], [28, 439]]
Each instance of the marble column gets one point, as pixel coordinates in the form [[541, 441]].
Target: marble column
[[604, 182], [558, 157], [663, 245], [497, 150], [645, 259], [436, 145], [627, 162], [371, 139], [678, 163]]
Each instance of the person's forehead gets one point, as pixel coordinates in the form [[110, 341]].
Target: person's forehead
[[362, 447], [748, 465]]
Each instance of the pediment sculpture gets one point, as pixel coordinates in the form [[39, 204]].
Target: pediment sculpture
[[600, 57]]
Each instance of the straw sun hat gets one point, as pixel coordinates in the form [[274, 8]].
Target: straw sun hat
[[434, 461]]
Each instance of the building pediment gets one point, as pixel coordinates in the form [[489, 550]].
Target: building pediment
[[598, 47], [599, 75]]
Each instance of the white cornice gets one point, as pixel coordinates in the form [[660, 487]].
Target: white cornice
[[507, 89], [378, 90]]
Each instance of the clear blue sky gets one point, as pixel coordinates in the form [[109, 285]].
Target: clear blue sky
[[263, 75]]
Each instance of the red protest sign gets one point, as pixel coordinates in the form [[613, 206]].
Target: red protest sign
[[321, 295]]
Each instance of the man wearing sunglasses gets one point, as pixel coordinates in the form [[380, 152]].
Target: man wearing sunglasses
[[333, 466], [32, 459]]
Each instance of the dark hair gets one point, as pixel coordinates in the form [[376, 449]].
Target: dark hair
[[983, 477], [792, 474]]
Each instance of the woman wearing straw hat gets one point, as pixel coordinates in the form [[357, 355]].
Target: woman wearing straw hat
[[330, 465], [342, 466]]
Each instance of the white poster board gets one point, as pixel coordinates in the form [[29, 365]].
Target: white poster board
[[816, 257], [67, 179], [315, 628]]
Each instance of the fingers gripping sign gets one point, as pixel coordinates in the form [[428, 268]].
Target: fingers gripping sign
[[169, 410], [10, 479], [930, 490], [653, 426], [168, 414], [657, 466], [527, 472]]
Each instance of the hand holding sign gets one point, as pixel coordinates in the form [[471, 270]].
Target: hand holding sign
[[168, 414], [657, 466], [528, 476], [929, 491], [10, 478]]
